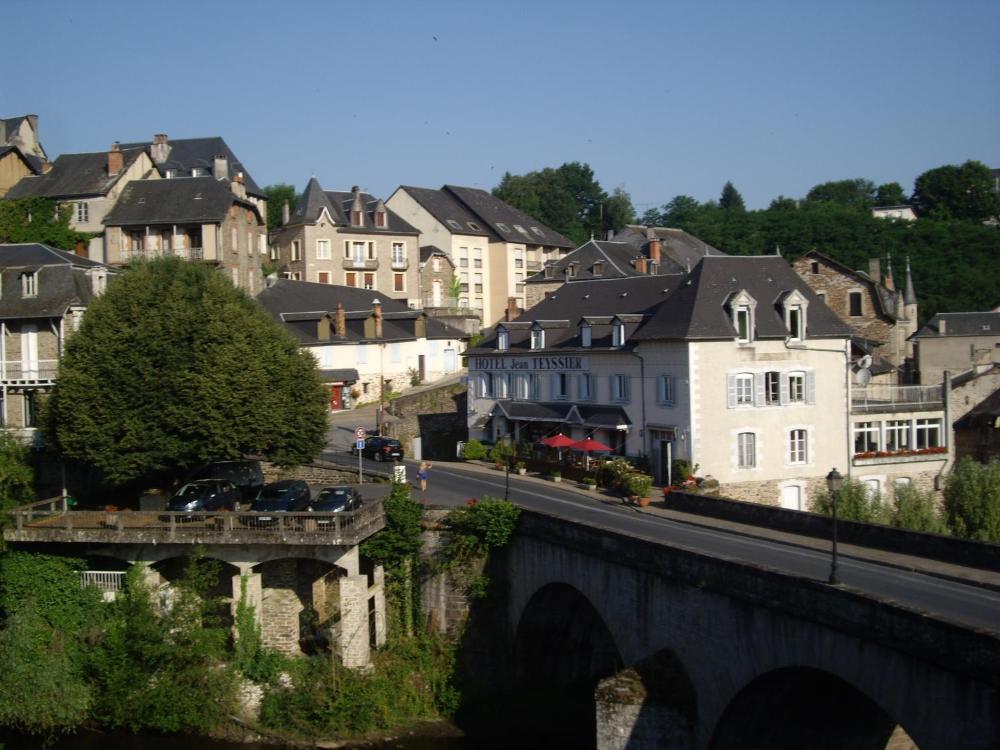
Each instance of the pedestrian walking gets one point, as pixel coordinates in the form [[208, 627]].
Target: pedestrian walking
[[422, 475]]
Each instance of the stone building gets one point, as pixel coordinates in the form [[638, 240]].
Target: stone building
[[43, 295], [21, 153], [956, 342], [977, 433], [493, 245], [201, 219], [881, 316], [349, 238]]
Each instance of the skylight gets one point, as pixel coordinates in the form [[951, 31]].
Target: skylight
[[454, 224], [502, 227], [537, 231], [474, 226]]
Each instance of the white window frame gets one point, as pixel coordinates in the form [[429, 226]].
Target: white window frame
[[559, 383], [585, 387], [746, 450], [322, 249], [29, 284], [296, 250], [798, 446], [797, 381], [586, 336], [870, 431], [503, 339], [618, 334], [398, 253], [537, 338], [743, 320], [82, 212], [898, 435], [795, 322], [665, 389], [927, 433], [619, 388], [772, 388], [743, 383]]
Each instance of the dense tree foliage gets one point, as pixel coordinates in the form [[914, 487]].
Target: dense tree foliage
[[16, 476], [568, 199], [174, 367], [38, 220], [972, 500], [966, 192], [730, 199], [890, 194], [858, 193], [277, 196]]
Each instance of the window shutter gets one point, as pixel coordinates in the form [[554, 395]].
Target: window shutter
[[626, 383], [783, 389], [731, 389], [758, 389], [553, 386], [810, 387]]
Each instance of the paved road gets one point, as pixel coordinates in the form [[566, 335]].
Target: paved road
[[453, 483]]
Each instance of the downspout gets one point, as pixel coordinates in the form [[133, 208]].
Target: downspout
[[642, 398], [946, 432]]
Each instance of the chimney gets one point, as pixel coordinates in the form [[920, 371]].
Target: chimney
[[654, 245], [323, 328], [237, 186], [875, 269], [640, 266], [160, 149], [46, 166], [340, 320], [377, 315], [220, 168], [285, 213], [116, 160], [512, 309]]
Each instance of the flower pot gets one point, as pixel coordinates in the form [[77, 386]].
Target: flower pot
[[642, 502], [556, 479], [522, 472]]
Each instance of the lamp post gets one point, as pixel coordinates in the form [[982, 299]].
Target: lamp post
[[834, 481], [506, 486]]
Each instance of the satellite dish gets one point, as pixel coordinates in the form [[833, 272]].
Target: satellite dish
[[863, 377], [865, 362]]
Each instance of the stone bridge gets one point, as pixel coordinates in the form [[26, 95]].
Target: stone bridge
[[302, 572], [691, 651]]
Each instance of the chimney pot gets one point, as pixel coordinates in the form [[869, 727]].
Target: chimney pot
[[654, 248], [220, 167], [377, 315]]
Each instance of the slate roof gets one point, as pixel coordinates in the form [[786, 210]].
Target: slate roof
[[62, 281], [447, 208], [679, 251], [75, 176], [886, 299], [176, 201], [300, 304], [617, 258], [428, 251], [504, 220], [673, 307], [188, 153], [338, 204], [961, 324], [34, 162]]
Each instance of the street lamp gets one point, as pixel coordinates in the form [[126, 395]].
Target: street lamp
[[834, 481], [506, 486]]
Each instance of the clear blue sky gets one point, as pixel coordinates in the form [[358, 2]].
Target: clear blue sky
[[662, 98]]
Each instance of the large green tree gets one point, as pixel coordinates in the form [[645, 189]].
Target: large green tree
[[890, 194], [173, 367], [856, 193], [277, 196], [972, 500], [38, 220], [730, 199], [966, 192], [568, 199]]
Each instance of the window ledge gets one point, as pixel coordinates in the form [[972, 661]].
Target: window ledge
[[899, 458]]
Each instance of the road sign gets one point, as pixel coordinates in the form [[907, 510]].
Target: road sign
[[360, 444], [359, 433]]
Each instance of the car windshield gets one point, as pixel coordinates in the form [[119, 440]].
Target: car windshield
[[191, 491], [275, 493], [332, 494]]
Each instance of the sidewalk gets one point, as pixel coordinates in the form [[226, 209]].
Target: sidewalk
[[986, 578]]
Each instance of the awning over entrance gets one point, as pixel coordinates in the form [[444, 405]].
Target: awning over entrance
[[346, 375], [608, 417], [532, 411]]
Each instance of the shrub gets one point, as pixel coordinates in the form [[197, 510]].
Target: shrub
[[474, 450], [854, 503], [638, 485], [682, 470], [477, 529], [972, 500], [916, 511]]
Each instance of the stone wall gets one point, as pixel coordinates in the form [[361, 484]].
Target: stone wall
[[444, 601], [281, 606], [437, 415], [315, 473]]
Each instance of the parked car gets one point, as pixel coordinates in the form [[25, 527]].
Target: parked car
[[245, 474], [286, 496], [381, 449], [336, 499], [205, 495]]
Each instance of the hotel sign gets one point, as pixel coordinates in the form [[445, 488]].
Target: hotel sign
[[528, 364]]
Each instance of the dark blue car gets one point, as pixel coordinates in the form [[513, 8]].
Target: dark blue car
[[286, 496]]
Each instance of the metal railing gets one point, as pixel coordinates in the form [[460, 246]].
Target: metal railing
[[884, 397], [108, 581], [367, 265], [31, 372], [51, 521], [400, 265], [187, 253]]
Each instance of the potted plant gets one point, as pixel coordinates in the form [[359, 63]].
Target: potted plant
[[637, 487], [589, 483], [522, 468], [555, 475]]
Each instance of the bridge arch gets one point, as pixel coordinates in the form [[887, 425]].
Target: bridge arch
[[795, 707], [562, 648]]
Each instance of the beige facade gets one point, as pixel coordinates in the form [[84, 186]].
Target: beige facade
[[955, 354], [12, 169]]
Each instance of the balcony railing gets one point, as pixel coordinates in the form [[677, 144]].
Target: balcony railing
[[187, 253], [42, 371], [400, 265], [51, 521], [361, 263], [889, 398], [534, 265], [108, 582]]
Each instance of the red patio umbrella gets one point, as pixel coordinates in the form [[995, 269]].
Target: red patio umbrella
[[558, 441], [589, 446]]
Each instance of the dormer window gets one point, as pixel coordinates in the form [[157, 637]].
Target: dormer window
[[598, 269], [550, 272], [742, 307], [586, 336], [617, 334], [537, 338], [380, 219], [503, 339], [356, 218], [795, 315], [29, 284], [572, 270]]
